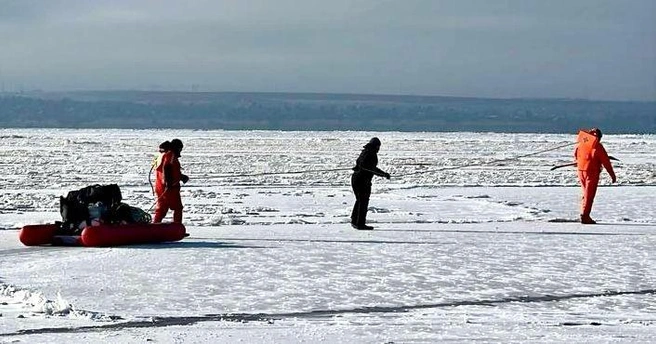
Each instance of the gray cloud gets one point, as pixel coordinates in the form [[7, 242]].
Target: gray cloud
[[599, 49]]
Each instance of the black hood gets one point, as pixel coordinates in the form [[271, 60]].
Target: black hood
[[374, 143]]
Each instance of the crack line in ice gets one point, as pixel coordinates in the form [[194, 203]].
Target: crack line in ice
[[270, 317]]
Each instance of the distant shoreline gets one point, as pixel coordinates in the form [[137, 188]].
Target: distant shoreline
[[573, 132], [127, 93], [319, 112]]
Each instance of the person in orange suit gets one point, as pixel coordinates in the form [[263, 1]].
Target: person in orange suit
[[157, 161], [167, 183], [590, 156]]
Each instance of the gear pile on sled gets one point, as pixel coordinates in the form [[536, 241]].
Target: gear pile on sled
[[95, 216]]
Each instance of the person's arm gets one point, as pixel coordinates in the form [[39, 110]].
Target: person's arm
[[369, 163], [605, 161], [576, 157]]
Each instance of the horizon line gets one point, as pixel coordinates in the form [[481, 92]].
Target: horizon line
[[37, 91]]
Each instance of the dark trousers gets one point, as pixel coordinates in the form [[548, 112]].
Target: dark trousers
[[362, 191]]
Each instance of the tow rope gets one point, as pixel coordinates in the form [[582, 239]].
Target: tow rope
[[485, 163], [496, 161]]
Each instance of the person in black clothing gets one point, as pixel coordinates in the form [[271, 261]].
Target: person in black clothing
[[364, 171]]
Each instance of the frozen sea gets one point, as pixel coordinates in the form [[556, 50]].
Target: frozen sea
[[475, 241]]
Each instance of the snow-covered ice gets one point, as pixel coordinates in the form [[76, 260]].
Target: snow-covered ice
[[483, 253]]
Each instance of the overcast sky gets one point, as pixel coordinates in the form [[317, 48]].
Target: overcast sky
[[595, 49]]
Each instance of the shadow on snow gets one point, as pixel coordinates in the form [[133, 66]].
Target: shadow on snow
[[190, 244]]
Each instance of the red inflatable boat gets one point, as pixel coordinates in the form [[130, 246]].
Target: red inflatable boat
[[104, 234]]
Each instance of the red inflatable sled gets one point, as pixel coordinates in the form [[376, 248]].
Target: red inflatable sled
[[104, 234]]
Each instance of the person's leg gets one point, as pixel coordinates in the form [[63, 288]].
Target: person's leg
[[177, 215], [591, 183], [583, 183], [363, 205], [354, 212], [355, 185], [161, 208], [176, 205]]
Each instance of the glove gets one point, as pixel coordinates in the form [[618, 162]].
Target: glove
[[184, 179], [387, 175]]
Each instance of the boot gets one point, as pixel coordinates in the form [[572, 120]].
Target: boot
[[587, 220]]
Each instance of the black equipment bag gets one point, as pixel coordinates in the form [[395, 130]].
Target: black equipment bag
[[74, 207]]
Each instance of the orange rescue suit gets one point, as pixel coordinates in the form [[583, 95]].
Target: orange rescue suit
[[590, 156], [167, 187]]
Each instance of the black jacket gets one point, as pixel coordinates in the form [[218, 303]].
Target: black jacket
[[365, 165]]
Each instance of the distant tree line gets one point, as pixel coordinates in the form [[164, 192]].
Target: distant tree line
[[291, 111]]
